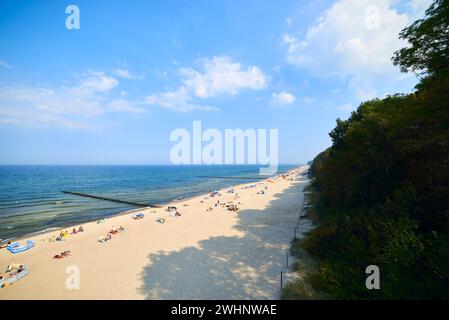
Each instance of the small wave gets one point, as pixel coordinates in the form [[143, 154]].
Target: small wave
[[50, 229]]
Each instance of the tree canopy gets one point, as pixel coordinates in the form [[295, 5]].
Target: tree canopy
[[383, 185]]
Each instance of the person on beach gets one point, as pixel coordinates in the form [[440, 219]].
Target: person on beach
[[5, 245], [81, 229]]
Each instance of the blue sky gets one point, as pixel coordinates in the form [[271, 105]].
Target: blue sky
[[112, 91]]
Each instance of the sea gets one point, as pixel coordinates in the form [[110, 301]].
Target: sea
[[32, 201]]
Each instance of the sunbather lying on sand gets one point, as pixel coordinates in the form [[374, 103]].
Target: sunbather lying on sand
[[113, 230], [104, 239], [5, 245], [62, 255]]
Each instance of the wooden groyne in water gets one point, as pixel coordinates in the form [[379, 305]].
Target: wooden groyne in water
[[111, 199]]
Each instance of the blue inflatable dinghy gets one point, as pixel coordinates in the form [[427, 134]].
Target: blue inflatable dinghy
[[15, 247]]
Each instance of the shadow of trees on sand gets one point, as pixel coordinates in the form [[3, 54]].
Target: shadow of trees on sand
[[223, 267]]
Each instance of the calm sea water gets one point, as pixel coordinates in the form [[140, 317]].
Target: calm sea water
[[31, 199]]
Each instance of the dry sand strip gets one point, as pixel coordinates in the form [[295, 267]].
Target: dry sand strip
[[217, 254]]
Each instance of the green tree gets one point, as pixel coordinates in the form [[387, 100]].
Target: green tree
[[383, 185], [429, 42]]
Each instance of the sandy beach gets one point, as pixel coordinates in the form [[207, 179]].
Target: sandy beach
[[202, 254]]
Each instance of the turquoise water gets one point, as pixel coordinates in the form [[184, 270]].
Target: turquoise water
[[31, 199]]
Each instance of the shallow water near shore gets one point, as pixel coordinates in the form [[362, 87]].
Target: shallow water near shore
[[31, 199]]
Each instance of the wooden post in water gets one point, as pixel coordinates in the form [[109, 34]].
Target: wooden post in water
[[281, 282]]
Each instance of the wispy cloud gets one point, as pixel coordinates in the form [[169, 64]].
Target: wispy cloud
[[5, 65], [177, 100], [123, 72], [216, 76], [285, 98], [66, 106], [122, 105]]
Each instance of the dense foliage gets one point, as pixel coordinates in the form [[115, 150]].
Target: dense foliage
[[383, 185]]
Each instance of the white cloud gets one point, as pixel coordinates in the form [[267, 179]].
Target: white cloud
[[122, 105], [125, 73], [94, 82], [220, 75], [419, 7], [5, 65], [307, 99], [67, 106], [282, 98], [26, 117], [353, 40], [292, 46], [216, 76], [178, 100]]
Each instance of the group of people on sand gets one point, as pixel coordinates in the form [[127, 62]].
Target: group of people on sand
[[108, 236], [63, 235], [261, 192], [230, 206], [173, 211], [116, 230], [80, 229], [12, 273], [11, 267]]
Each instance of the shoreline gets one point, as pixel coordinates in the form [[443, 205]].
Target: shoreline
[[152, 241], [130, 211]]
